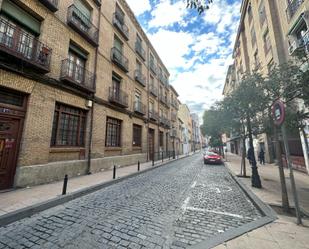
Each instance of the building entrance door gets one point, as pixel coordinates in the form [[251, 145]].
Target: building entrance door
[[9, 129], [12, 113], [151, 144]]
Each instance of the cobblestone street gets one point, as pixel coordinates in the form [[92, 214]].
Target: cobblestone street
[[174, 206]]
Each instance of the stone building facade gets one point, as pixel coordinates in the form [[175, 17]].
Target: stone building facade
[[269, 33], [81, 89]]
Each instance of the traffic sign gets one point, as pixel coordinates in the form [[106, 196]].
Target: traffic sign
[[278, 112]]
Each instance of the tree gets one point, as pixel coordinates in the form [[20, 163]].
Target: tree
[[199, 5]]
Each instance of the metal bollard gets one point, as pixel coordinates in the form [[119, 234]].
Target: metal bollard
[[138, 166], [114, 172], [153, 160], [65, 184], [162, 156]]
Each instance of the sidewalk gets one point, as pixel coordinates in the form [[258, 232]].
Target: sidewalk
[[282, 233], [26, 197]]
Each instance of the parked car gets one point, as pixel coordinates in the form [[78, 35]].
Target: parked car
[[211, 157]]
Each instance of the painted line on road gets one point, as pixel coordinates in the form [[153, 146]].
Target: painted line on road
[[213, 211], [185, 204], [193, 185]]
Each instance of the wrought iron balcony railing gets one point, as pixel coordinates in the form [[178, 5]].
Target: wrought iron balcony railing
[[119, 59], [23, 46], [50, 4], [174, 103], [139, 107], [292, 8], [118, 21], [139, 77], [77, 76], [153, 67], [300, 44], [164, 100], [153, 90], [81, 24], [173, 133], [153, 115], [118, 97], [139, 49]]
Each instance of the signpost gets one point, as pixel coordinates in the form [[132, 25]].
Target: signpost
[[278, 111]]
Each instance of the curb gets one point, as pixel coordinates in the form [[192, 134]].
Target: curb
[[268, 216], [36, 208]]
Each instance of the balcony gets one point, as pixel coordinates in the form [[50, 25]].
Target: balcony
[[292, 8], [119, 59], [153, 90], [118, 97], [52, 5], [174, 103], [300, 44], [118, 22], [164, 100], [20, 45], [173, 116], [77, 76], [139, 77], [153, 67], [173, 133], [153, 115], [139, 108], [139, 49], [82, 25]]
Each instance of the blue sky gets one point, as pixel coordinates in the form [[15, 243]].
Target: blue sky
[[196, 49]]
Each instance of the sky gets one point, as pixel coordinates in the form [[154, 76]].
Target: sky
[[196, 49]]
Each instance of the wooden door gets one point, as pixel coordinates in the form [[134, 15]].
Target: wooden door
[[151, 144], [9, 130]]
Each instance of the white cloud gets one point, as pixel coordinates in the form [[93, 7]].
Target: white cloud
[[139, 6], [166, 13], [209, 43], [172, 46]]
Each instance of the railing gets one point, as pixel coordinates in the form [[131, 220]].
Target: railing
[[118, 97], [164, 100], [153, 115], [293, 7], [20, 44], [51, 4], [118, 21], [139, 49], [173, 133], [153, 67], [153, 90], [300, 43], [174, 103], [164, 121], [77, 75], [118, 58], [140, 77], [81, 24], [139, 107]]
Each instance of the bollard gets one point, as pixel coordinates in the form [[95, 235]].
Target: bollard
[[114, 172], [153, 160], [138, 166], [162, 156], [65, 184]]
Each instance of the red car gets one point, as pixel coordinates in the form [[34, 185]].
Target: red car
[[211, 157]]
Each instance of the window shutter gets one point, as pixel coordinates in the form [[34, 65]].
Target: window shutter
[[83, 8], [16, 13]]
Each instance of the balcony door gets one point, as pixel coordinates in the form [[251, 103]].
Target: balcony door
[[76, 67], [116, 88], [137, 101]]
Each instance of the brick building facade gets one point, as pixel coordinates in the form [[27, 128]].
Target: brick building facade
[[81, 89]]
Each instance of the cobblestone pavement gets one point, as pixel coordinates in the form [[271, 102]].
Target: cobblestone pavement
[[174, 206]]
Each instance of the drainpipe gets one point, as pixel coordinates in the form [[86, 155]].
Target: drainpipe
[[92, 108]]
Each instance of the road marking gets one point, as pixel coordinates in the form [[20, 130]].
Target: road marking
[[185, 204], [212, 211], [193, 185]]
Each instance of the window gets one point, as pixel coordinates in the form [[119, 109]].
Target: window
[[249, 13], [267, 42], [161, 138], [137, 135], [151, 106], [69, 126], [116, 86], [138, 40], [262, 13], [253, 37], [76, 66], [118, 44], [139, 66], [151, 81], [137, 100], [113, 131], [119, 14], [82, 15], [11, 98]]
